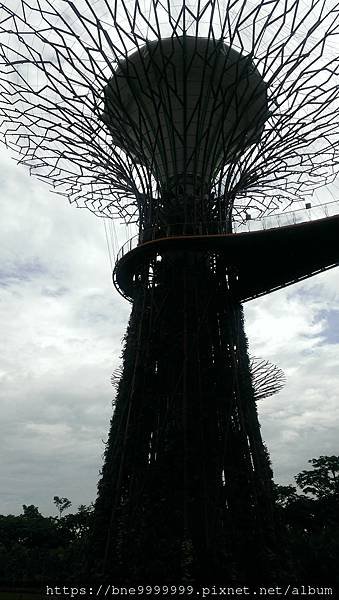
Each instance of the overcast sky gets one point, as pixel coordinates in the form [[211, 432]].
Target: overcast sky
[[61, 329]]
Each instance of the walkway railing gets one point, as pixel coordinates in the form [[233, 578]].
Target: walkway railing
[[171, 230], [301, 215], [217, 228]]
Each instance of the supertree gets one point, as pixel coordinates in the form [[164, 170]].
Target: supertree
[[267, 378], [186, 118]]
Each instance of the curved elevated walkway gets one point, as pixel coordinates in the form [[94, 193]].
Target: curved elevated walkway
[[264, 261]]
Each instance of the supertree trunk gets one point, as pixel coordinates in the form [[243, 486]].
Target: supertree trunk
[[185, 493]]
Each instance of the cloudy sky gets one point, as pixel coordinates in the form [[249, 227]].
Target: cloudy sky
[[61, 329]]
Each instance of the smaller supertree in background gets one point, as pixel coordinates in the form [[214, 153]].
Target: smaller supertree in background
[[267, 378]]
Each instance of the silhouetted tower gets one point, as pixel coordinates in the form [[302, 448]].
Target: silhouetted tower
[[188, 120], [186, 481]]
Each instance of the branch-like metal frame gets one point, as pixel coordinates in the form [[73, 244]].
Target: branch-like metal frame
[[267, 378], [57, 58]]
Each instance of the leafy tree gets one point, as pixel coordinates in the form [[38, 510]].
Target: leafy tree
[[35, 549], [62, 504], [284, 494], [323, 480], [309, 521], [31, 511], [77, 525]]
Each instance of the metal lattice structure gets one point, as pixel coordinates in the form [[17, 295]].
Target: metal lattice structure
[[52, 101], [267, 378], [182, 118]]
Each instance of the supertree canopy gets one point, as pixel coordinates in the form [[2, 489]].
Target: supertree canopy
[[81, 85], [267, 378], [183, 117]]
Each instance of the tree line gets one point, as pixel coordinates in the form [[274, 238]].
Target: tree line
[[308, 521], [37, 550]]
